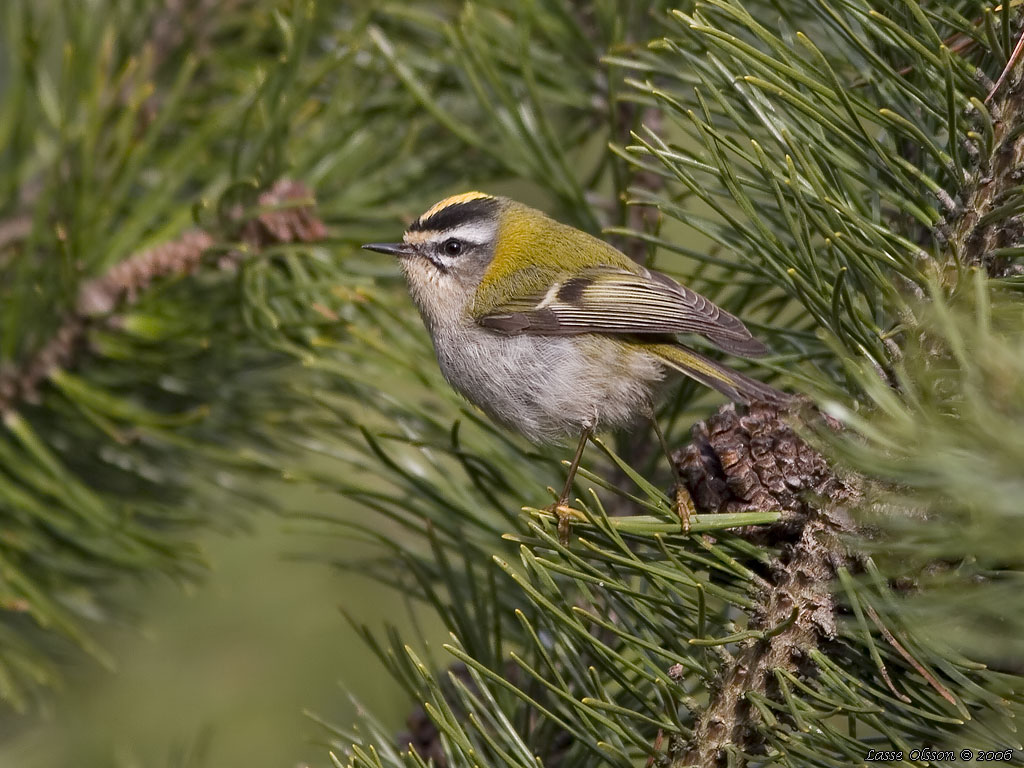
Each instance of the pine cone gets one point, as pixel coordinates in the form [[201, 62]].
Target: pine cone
[[287, 216], [755, 462]]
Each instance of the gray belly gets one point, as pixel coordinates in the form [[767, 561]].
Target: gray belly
[[548, 387]]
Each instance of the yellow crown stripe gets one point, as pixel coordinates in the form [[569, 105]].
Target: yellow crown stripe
[[465, 197]]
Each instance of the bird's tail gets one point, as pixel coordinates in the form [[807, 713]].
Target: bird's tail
[[711, 373]]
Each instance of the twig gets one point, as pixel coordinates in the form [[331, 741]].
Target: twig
[[939, 687], [977, 236], [285, 215], [744, 463], [1010, 64]]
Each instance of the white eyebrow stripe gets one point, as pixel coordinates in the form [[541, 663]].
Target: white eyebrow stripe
[[477, 232]]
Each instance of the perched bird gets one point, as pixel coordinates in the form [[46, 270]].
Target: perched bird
[[553, 332]]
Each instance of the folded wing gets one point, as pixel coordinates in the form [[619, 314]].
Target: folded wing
[[613, 300]]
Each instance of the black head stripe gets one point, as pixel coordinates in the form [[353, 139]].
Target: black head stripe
[[456, 214]]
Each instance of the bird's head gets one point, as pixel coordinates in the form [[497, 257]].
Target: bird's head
[[445, 253], [473, 251]]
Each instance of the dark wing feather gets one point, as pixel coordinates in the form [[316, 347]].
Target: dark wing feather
[[612, 300]]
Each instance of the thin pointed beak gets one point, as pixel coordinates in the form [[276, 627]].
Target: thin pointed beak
[[392, 249]]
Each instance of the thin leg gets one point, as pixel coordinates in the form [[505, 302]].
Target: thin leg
[[684, 503], [560, 509], [575, 465]]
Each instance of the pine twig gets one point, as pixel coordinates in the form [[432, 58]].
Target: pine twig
[[285, 215], [752, 462], [983, 229]]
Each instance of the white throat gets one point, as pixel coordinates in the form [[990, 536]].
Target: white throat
[[439, 296]]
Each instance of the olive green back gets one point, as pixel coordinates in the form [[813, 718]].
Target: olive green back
[[521, 267]]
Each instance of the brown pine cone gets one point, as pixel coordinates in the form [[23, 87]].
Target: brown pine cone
[[756, 462]]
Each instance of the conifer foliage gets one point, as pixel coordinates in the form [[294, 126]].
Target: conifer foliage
[[183, 305]]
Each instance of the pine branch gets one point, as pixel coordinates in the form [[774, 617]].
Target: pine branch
[[810, 182], [147, 378], [818, 171], [287, 216], [754, 462], [989, 230]]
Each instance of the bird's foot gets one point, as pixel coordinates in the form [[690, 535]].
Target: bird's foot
[[565, 514], [684, 506]]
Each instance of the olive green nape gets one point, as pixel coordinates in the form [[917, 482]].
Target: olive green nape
[[521, 267]]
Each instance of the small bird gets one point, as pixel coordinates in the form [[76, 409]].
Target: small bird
[[553, 332]]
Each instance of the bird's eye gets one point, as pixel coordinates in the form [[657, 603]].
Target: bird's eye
[[452, 247]]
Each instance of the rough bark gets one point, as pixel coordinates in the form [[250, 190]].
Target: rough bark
[[990, 222], [755, 461]]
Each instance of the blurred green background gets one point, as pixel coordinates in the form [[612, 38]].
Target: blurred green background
[[224, 671], [223, 674]]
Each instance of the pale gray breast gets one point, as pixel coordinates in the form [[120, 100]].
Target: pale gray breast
[[548, 387]]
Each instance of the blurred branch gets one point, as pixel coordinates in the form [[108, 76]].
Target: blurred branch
[[122, 125], [285, 215], [13, 229]]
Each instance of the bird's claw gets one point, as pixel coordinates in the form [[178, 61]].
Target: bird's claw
[[684, 506], [565, 514]]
